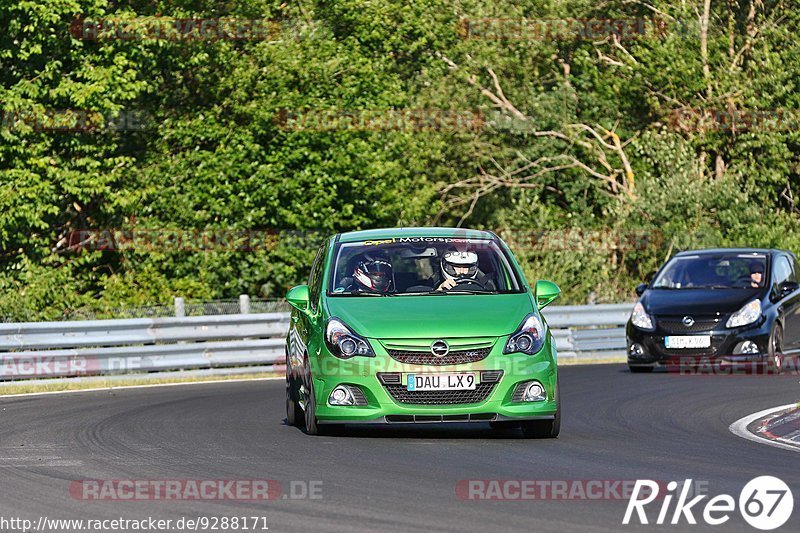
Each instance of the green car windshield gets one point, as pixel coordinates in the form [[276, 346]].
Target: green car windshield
[[416, 266]]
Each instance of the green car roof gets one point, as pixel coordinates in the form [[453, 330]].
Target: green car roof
[[388, 233]]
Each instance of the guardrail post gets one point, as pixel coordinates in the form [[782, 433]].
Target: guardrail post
[[244, 304], [180, 307]]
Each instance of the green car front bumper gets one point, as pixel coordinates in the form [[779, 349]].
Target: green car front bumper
[[394, 404]]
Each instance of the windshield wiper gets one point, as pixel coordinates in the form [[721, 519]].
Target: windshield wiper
[[457, 291], [469, 291], [361, 294]]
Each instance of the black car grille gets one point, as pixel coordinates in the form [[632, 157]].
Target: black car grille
[[454, 357], [440, 397], [690, 352], [676, 325]]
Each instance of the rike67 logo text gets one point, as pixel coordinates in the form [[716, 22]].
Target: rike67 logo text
[[765, 503]]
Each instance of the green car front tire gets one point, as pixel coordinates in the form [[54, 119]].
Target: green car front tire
[[544, 429]]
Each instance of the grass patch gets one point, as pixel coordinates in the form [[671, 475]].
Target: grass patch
[[592, 361], [110, 382]]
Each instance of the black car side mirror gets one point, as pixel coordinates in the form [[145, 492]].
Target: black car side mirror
[[640, 288], [788, 287]]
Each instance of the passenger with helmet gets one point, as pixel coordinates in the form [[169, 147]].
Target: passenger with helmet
[[373, 273], [461, 267]]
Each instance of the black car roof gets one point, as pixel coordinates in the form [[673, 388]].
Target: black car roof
[[712, 251]]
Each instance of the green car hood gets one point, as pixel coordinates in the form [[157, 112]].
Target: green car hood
[[453, 315]]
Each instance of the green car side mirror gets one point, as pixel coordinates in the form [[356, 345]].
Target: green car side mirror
[[546, 292], [298, 297]]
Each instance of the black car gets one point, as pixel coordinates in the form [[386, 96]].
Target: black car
[[720, 307]]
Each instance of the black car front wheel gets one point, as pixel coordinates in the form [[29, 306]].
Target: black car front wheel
[[774, 364]]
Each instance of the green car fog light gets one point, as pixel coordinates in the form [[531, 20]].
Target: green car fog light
[[347, 395], [529, 391], [341, 395], [534, 393]]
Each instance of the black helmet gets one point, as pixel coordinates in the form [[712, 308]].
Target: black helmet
[[756, 266], [374, 274], [459, 258]]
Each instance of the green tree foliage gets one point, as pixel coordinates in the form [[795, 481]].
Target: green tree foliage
[[597, 155]]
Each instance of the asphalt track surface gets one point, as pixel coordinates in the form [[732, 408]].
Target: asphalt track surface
[[616, 426]]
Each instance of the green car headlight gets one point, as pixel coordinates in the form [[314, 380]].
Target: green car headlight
[[529, 337], [343, 343]]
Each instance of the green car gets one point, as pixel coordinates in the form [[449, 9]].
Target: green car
[[420, 325]]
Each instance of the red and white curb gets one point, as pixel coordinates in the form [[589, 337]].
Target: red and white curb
[[776, 426]]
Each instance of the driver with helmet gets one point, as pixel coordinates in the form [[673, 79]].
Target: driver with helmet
[[461, 266]]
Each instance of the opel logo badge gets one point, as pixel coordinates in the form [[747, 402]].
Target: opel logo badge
[[440, 348], [688, 321]]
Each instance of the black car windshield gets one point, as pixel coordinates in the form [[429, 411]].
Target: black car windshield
[[421, 265], [717, 271]]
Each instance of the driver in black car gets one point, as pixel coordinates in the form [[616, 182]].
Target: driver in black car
[[756, 274], [461, 267]]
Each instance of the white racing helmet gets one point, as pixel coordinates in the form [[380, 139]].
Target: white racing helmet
[[459, 258]]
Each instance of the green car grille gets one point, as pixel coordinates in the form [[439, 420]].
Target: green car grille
[[454, 357], [440, 397]]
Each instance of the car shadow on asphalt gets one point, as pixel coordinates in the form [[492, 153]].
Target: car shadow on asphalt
[[446, 430]]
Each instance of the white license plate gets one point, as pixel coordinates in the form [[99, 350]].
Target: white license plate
[[688, 341], [422, 382]]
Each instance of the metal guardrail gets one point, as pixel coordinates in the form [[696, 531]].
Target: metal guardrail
[[589, 331], [58, 349]]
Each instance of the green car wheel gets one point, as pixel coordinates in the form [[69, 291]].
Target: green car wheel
[[294, 414], [544, 429]]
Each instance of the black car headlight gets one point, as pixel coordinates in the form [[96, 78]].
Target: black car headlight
[[529, 337], [343, 343], [749, 313], [640, 318]]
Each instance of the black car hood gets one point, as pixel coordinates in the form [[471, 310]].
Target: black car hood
[[697, 301]]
